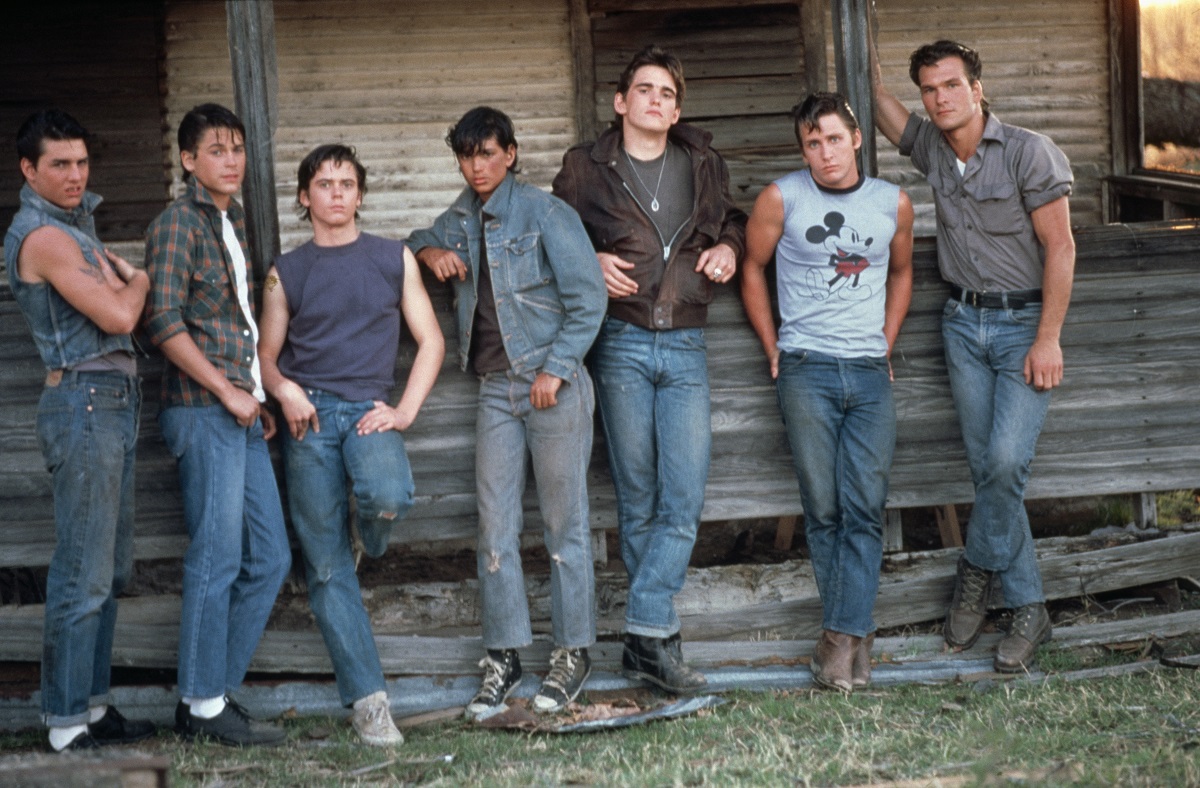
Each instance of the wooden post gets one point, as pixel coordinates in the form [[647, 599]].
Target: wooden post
[[251, 27], [812, 33], [947, 523], [1145, 510], [893, 531], [600, 548], [584, 66], [851, 26], [784, 532]]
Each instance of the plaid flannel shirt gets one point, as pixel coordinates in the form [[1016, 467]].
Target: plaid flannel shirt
[[193, 289]]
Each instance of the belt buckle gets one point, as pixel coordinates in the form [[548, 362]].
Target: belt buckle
[[973, 298]]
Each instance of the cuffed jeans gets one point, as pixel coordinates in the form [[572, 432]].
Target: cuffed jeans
[[1001, 417], [559, 440], [652, 387], [238, 555], [317, 468], [87, 427], [841, 425]]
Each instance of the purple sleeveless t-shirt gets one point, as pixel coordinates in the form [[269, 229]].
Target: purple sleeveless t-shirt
[[344, 330]]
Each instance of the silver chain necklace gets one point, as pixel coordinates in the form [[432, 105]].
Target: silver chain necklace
[[661, 170]]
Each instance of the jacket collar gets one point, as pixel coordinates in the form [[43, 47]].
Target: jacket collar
[[197, 193], [608, 144], [86, 207], [497, 205]]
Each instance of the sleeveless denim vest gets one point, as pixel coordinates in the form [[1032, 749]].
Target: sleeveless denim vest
[[64, 336]]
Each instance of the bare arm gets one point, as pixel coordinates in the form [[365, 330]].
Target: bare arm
[[431, 349], [900, 273], [891, 116], [298, 411], [763, 232], [1052, 224], [111, 293], [444, 263], [182, 351]]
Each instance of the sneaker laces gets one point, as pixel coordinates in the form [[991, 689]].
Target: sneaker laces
[[562, 669], [493, 679], [376, 714]]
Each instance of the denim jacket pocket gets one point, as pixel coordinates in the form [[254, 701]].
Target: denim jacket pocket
[[524, 269]]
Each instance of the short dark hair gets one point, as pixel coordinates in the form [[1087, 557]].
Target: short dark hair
[[336, 153], [807, 114], [479, 125], [930, 54], [654, 55], [200, 119], [47, 124]]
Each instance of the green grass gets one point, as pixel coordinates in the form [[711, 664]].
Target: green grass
[[1135, 730]]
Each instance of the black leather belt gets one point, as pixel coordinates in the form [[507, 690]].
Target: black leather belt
[[1008, 299]]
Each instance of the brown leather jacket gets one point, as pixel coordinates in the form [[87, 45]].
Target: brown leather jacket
[[670, 296]]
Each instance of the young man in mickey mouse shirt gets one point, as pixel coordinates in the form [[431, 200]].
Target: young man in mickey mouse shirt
[[830, 360]]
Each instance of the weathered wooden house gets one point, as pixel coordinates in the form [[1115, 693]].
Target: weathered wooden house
[[390, 77]]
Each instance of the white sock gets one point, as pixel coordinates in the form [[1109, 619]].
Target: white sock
[[367, 699], [206, 708], [96, 713], [61, 737]]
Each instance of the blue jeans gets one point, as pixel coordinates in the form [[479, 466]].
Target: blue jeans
[[559, 441], [317, 468], [1001, 417], [87, 427], [652, 387], [239, 553], [841, 425]]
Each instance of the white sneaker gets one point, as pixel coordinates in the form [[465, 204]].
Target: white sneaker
[[373, 723]]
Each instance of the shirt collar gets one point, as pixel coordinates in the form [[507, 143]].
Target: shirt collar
[[86, 207]]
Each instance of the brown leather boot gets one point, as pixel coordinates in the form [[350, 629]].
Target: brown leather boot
[[860, 675], [833, 660], [968, 609]]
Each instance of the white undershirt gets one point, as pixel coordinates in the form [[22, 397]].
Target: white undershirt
[[243, 294]]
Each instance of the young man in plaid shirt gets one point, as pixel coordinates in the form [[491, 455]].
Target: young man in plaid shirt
[[200, 313]]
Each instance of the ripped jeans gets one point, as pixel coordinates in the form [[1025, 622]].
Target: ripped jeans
[[559, 439], [317, 469]]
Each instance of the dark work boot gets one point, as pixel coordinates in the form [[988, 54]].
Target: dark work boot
[[1030, 628], [833, 660], [660, 661], [968, 609]]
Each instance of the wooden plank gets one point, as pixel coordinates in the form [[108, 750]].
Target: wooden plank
[[948, 527]]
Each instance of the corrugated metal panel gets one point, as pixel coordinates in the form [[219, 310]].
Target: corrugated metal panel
[[390, 79], [1045, 67]]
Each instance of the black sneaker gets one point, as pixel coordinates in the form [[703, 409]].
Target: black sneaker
[[232, 727], [501, 675], [113, 728], [660, 661], [569, 669]]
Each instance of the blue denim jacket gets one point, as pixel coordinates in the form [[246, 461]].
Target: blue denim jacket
[[550, 293], [64, 336]]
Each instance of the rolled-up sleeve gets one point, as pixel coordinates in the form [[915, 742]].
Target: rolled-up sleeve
[[169, 264], [1045, 172]]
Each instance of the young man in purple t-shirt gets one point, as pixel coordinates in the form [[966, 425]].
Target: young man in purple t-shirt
[[331, 324]]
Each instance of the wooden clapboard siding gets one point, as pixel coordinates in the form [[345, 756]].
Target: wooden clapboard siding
[[97, 61], [744, 65], [1045, 67], [1124, 420]]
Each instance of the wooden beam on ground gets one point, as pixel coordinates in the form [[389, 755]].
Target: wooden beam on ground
[[717, 604]]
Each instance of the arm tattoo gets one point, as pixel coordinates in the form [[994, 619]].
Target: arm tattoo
[[272, 280]]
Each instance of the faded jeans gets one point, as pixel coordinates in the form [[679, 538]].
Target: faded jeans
[[652, 387], [239, 553], [1001, 417], [559, 440], [841, 425], [87, 427], [317, 469]]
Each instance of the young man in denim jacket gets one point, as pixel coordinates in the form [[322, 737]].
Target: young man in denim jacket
[[81, 302], [530, 300]]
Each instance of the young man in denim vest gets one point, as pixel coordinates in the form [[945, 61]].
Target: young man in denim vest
[[81, 302], [530, 300], [201, 315], [1005, 246], [330, 334], [654, 197]]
